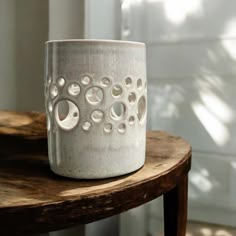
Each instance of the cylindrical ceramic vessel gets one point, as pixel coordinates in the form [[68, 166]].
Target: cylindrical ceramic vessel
[[96, 104]]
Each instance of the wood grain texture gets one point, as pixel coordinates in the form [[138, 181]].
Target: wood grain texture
[[33, 199], [28, 125]]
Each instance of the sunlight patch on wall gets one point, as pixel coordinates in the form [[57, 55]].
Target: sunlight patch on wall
[[170, 111], [201, 182], [209, 81], [178, 10], [217, 106], [222, 232], [166, 100], [125, 7], [206, 232], [233, 164], [230, 44], [215, 128], [189, 234]]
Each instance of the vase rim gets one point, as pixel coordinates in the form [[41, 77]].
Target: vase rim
[[94, 41]]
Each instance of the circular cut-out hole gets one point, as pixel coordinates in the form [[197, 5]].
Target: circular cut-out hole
[[50, 108], [61, 82], [94, 95], [132, 98], [66, 114], [121, 128], [118, 111], [86, 126], [128, 81], [139, 84], [75, 114], [53, 91], [108, 128], [131, 120], [74, 89], [49, 79], [97, 116], [63, 109], [141, 111], [117, 91], [85, 80], [106, 82]]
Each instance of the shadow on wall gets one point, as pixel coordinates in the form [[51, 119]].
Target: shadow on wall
[[191, 91], [194, 72], [203, 105], [192, 75], [201, 108]]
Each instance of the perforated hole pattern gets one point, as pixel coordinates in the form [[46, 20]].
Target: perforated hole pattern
[[67, 113]]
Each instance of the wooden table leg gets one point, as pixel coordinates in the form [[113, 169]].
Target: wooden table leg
[[175, 209]]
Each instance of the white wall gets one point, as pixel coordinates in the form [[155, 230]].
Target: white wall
[[7, 55], [23, 31], [191, 88], [31, 33], [66, 19], [102, 19]]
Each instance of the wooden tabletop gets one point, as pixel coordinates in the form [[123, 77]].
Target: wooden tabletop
[[33, 199]]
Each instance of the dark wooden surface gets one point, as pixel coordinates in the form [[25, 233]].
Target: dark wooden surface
[[28, 125], [33, 199]]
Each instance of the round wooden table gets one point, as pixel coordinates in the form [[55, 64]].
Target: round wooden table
[[34, 200]]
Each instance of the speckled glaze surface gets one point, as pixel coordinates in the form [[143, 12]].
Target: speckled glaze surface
[[96, 105]]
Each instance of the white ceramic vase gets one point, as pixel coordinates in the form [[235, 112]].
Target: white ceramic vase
[[96, 104]]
